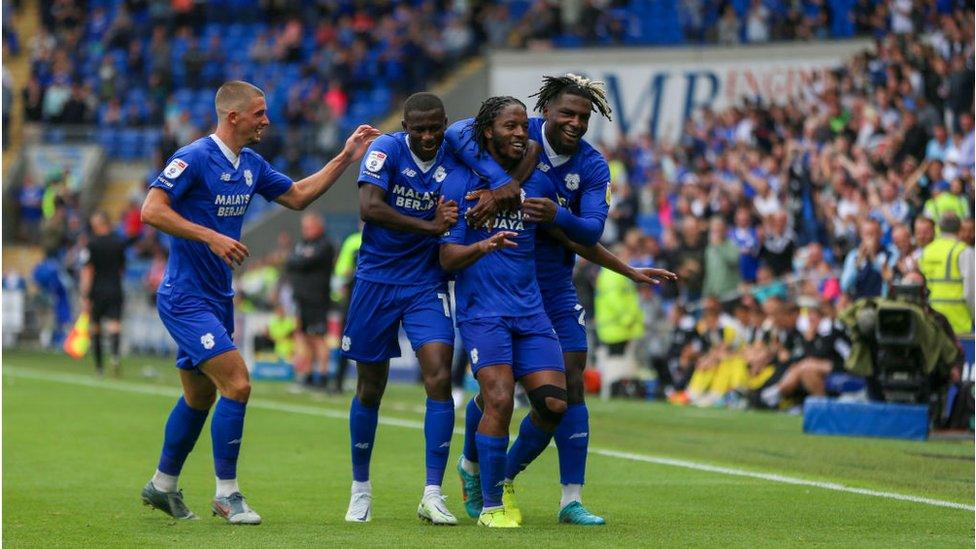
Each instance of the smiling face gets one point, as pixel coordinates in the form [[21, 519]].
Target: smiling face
[[425, 132], [249, 122], [567, 118], [508, 136]]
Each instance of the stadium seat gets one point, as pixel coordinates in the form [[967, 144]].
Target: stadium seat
[[129, 144]]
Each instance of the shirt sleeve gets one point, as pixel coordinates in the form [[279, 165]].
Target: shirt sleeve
[[272, 183], [587, 227], [455, 187], [460, 140], [177, 177], [377, 168]]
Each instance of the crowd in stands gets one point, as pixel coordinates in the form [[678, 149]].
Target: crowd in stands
[[144, 72], [775, 215], [772, 213]]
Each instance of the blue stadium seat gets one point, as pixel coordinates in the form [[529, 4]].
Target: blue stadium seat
[[108, 139], [129, 144]]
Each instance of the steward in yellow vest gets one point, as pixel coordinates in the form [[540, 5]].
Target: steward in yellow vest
[[940, 265]]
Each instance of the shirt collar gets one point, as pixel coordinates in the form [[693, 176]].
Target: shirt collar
[[424, 165], [234, 159], [555, 158]]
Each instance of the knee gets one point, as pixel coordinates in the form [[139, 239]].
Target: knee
[[238, 389], [369, 393], [575, 389], [438, 382], [549, 403], [200, 400], [499, 401]]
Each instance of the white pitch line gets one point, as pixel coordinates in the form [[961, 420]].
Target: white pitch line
[[172, 392]]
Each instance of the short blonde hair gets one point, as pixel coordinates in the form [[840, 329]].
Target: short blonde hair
[[234, 95]]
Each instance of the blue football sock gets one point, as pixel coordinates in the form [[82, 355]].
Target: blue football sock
[[226, 430], [438, 429], [182, 430], [572, 440], [472, 417], [362, 433], [530, 443], [492, 452]]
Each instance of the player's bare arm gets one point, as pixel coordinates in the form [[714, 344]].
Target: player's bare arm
[[308, 190], [84, 286], [157, 211], [454, 257], [508, 196], [601, 256], [373, 208]]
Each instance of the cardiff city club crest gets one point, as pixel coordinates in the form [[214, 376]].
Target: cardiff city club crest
[[572, 181], [248, 177], [439, 174]]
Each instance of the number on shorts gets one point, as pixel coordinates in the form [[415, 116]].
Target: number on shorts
[[447, 305]]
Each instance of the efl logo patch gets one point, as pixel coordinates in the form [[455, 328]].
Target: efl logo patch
[[207, 340], [175, 168], [375, 160], [572, 181]]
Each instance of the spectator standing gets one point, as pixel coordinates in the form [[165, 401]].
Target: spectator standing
[[757, 23], [309, 270], [948, 267], [721, 262]]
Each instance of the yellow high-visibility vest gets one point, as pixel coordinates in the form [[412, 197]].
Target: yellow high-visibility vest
[[940, 265]]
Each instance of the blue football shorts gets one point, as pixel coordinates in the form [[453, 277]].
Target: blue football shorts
[[527, 343], [567, 316], [376, 311], [202, 327]]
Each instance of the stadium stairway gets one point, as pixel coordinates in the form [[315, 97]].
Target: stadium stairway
[[26, 23], [21, 258], [121, 179]]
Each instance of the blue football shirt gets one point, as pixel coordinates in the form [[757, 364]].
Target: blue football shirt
[[412, 188], [206, 189], [503, 282], [581, 184]]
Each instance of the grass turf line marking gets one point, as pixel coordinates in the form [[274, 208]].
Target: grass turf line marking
[[126, 386]]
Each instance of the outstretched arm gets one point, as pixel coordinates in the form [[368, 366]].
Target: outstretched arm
[[601, 256], [305, 191], [158, 212]]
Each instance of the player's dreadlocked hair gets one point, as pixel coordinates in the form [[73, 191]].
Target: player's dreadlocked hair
[[554, 86], [489, 110]]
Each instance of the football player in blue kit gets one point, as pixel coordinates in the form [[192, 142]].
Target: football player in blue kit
[[500, 315], [399, 282], [581, 179], [200, 199]]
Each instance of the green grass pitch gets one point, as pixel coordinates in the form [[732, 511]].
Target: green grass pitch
[[76, 452]]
